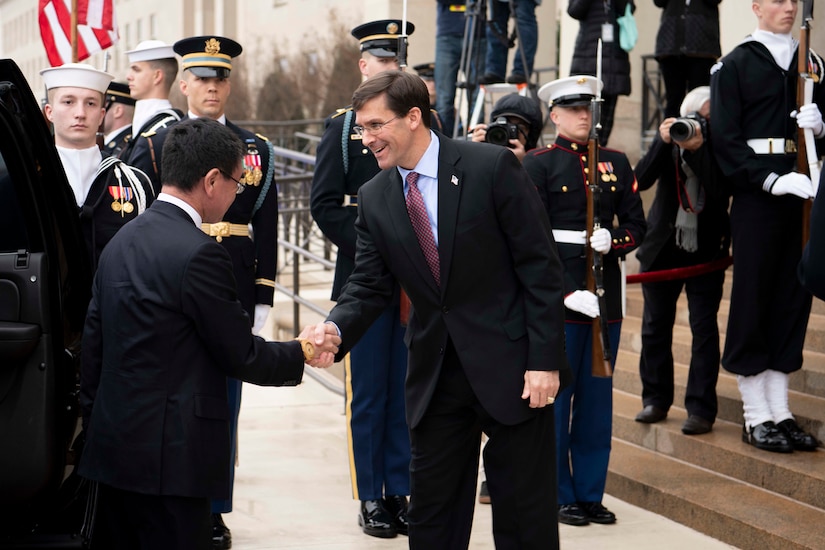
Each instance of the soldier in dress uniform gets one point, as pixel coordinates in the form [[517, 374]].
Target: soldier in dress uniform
[[377, 365], [560, 174], [753, 94], [207, 62], [117, 124], [153, 68], [108, 192]]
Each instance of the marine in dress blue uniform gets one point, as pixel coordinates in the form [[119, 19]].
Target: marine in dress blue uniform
[[583, 410], [253, 252], [376, 367]]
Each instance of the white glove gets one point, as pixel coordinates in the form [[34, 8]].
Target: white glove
[[600, 241], [583, 301], [261, 315], [810, 117], [792, 183]]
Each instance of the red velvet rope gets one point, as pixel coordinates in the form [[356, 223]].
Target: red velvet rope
[[680, 272]]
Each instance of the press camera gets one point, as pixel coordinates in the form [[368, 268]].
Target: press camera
[[685, 127], [500, 132]]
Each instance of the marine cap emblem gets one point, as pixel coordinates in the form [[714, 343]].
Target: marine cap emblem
[[581, 81], [213, 46]]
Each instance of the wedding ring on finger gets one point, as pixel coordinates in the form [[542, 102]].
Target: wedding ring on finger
[[550, 400]]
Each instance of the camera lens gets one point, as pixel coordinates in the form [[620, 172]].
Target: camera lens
[[683, 129], [497, 135]]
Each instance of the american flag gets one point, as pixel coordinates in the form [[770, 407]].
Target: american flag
[[96, 28]]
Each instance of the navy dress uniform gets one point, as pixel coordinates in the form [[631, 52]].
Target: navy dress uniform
[[249, 229], [376, 367], [754, 139], [583, 427], [108, 192], [117, 92], [153, 114]]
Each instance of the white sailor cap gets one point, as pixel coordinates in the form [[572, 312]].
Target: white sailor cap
[[570, 91], [76, 75], [149, 50]]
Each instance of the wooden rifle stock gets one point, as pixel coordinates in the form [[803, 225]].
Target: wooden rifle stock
[[600, 366]]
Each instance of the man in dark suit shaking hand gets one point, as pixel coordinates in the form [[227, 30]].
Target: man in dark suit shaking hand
[[460, 226], [163, 331]]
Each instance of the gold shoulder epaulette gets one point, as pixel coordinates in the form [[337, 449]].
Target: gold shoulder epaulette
[[340, 112], [148, 134], [262, 137]]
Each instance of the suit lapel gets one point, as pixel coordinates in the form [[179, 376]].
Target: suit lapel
[[450, 183]]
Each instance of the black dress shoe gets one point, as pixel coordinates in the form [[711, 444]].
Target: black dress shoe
[[572, 514], [768, 437], [491, 78], [221, 535], [597, 513], [651, 414], [375, 520], [396, 505], [799, 438], [516, 78], [695, 425]]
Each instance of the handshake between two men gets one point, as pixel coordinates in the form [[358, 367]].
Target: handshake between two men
[[319, 346]]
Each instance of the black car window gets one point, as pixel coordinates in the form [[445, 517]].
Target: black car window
[[13, 235]]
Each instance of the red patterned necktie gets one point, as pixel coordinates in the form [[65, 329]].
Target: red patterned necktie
[[421, 224]]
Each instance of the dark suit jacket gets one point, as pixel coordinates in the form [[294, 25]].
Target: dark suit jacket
[[255, 261], [660, 166], [163, 331], [500, 301]]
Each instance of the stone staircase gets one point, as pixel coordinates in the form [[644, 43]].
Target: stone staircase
[[715, 483]]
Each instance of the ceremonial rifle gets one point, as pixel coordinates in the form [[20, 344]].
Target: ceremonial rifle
[[594, 279], [806, 159], [402, 40]]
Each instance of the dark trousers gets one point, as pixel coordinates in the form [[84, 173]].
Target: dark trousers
[[682, 74], [656, 362], [380, 440], [134, 521], [769, 309], [584, 418], [519, 462]]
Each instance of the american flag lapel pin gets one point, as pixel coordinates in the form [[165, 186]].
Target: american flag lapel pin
[[454, 180]]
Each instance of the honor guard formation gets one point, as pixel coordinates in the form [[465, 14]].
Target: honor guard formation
[[480, 272]]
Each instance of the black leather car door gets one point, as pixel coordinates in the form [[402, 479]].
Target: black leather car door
[[44, 290]]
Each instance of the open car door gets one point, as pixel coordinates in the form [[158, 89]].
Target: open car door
[[45, 283]]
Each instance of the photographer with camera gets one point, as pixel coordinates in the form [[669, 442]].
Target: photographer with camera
[[687, 225], [516, 122]]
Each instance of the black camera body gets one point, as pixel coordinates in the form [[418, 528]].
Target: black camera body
[[685, 127], [500, 132]]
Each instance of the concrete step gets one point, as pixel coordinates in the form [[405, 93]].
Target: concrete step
[[799, 476], [724, 508], [808, 409]]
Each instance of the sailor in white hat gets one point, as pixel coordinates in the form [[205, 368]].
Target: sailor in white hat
[[108, 192], [153, 68], [560, 173]]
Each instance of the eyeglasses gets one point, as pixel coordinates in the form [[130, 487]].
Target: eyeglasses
[[373, 127], [241, 186]]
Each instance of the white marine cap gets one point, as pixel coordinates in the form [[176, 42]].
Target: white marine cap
[[570, 91], [149, 50], [76, 75]]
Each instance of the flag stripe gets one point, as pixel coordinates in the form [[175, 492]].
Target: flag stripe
[[55, 29]]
